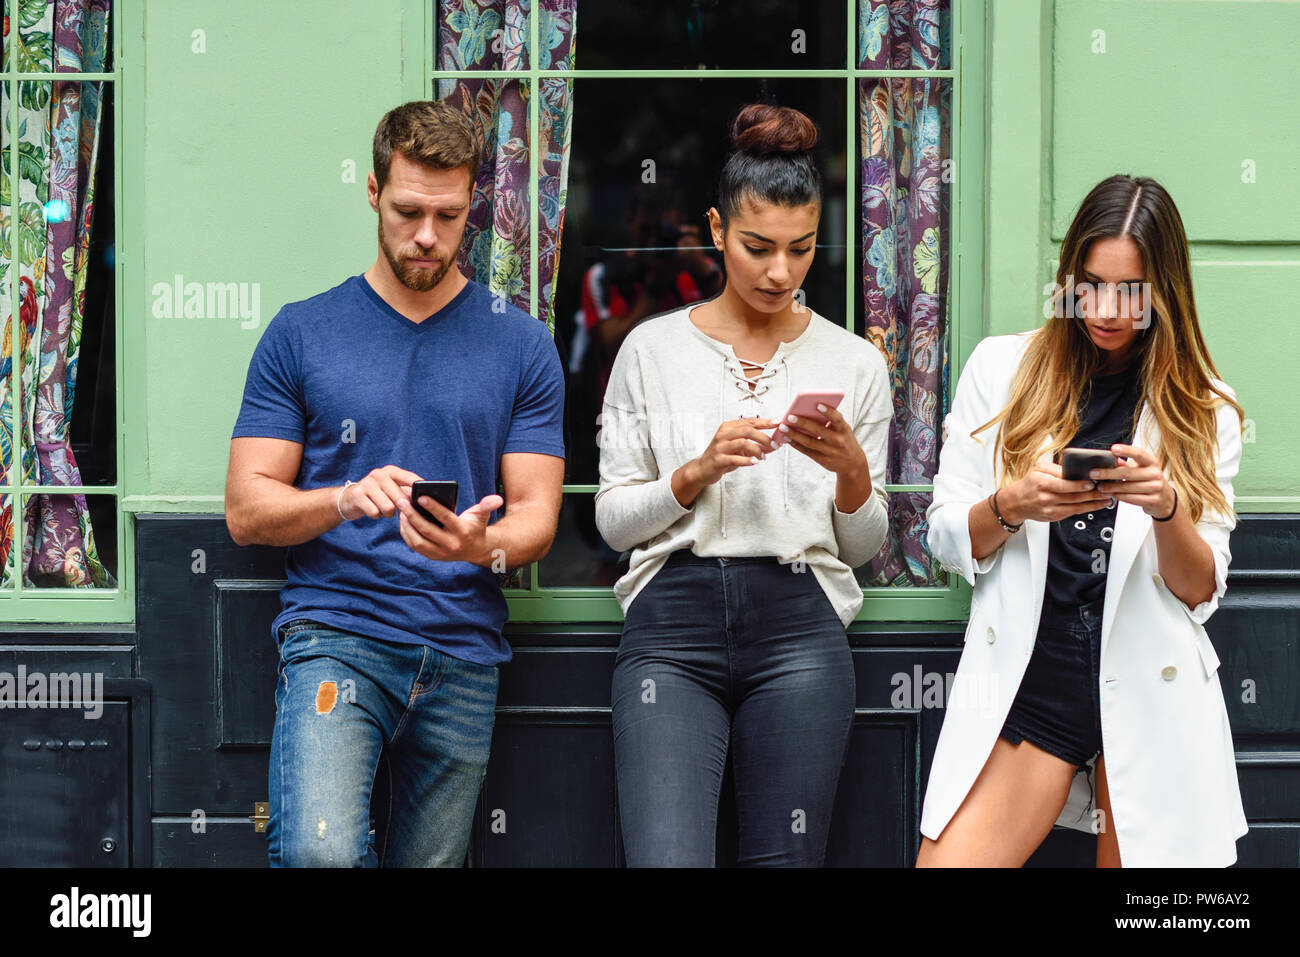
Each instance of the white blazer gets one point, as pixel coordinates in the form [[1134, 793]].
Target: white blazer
[[1170, 767]]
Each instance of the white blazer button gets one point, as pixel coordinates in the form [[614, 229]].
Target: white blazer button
[[1168, 672], [992, 635], [1157, 579]]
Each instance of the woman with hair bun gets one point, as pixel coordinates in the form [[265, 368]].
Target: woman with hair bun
[[1088, 692], [741, 582]]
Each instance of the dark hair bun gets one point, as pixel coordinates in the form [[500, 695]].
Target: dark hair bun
[[762, 128]]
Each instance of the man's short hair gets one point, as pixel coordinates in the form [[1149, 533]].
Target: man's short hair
[[429, 132]]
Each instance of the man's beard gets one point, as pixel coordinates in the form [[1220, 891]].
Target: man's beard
[[420, 279]]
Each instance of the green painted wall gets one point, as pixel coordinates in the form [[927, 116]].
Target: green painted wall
[[233, 165], [239, 160], [1197, 95]]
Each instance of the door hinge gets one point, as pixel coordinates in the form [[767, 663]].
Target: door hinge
[[260, 816]]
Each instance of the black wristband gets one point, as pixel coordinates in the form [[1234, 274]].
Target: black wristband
[[993, 503], [1171, 511]]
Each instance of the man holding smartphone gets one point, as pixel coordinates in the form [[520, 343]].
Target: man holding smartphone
[[391, 627]]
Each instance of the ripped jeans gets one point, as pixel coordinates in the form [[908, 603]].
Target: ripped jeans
[[342, 700]]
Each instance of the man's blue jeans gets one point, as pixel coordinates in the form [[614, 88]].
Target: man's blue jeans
[[341, 699]]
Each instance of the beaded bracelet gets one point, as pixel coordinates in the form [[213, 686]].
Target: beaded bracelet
[[993, 503]]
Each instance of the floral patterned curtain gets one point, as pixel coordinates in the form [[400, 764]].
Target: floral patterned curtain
[[58, 151], [492, 35], [904, 126]]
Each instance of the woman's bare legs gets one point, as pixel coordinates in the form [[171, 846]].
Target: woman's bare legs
[[1012, 806], [1107, 844]]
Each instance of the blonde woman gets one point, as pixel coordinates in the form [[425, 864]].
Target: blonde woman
[[1087, 692]]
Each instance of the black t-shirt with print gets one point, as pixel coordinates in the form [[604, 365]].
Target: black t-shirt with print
[[1079, 551]]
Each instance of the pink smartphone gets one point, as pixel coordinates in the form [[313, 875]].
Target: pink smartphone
[[805, 405]]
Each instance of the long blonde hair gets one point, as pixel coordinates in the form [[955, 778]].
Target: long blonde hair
[[1175, 369]]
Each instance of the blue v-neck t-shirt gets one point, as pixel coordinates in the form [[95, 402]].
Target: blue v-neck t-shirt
[[360, 386]]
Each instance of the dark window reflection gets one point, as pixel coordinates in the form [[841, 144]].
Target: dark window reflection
[[94, 412], [643, 174], [579, 556], [712, 34]]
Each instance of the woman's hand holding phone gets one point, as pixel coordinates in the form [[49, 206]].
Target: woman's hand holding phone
[[737, 443], [1043, 495], [832, 444], [1141, 482]]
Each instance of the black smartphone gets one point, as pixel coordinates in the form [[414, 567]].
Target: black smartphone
[[444, 493], [1077, 463]]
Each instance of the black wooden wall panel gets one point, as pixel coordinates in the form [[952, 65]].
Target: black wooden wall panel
[[74, 780], [245, 712], [548, 798], [222, 842], [64, 788], [204, 645], [184, 563], [1256, 633], [876, 808]]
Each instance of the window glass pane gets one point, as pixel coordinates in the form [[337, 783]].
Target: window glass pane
[[644, 169], [712, 34], [579, 556], [93, 399], [70, 541], [557, 33], [518, 577], [63, 239], [481, 34], [904, 559], [70, 36], [495, 248], [6, 543], [905, 179], [904, 36]]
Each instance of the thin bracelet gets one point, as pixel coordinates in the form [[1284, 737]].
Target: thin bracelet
[[993, 502], [338, 503], [1171, 511]]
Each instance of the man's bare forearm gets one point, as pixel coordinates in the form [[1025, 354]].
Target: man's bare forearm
[[522, 536], [274, 513], [282, 515]]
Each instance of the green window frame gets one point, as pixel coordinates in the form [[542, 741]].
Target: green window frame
[[539, 604], [76, 605]]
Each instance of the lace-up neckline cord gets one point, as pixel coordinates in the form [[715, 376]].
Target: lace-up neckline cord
[[750, 390]]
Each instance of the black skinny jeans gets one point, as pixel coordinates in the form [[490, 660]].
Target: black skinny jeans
[[739, 652]]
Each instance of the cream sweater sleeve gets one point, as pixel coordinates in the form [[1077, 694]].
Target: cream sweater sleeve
[[635, 502], [860, 534]]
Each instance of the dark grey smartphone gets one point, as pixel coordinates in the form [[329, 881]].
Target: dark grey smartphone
[[1077, 463], [444, 493]]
